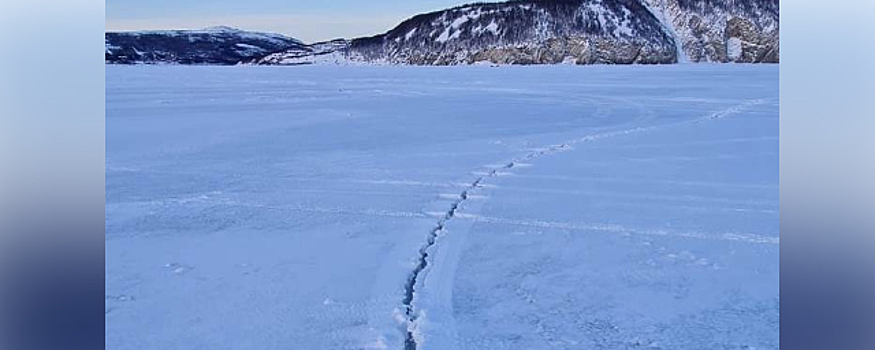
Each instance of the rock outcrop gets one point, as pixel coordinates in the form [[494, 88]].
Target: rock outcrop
[[744, 31]]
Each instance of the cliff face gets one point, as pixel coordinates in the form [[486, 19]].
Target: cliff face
[[724, 30]]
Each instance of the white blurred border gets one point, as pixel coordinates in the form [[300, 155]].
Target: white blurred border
[[51, 103], [52, 166], [828, 174], [51, 174]]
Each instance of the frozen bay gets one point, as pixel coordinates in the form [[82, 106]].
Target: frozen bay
[[548, 207]]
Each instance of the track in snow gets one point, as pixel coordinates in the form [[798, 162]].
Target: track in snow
[[410, 287], [410, 341]]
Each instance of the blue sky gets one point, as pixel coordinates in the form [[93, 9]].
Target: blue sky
[[308, 20]]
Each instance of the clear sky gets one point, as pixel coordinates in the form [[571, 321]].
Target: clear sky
[[308, 20]]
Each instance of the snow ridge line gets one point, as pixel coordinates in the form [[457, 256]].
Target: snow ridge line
[[410, 314], [410, 341]]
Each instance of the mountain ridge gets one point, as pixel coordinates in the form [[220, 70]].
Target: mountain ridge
[[553, 32], [213, 45]]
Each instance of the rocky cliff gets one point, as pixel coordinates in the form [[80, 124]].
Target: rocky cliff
[[723, 30]]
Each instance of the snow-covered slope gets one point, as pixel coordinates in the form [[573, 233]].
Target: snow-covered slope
[[526, 32], [514, 32], [215, 45], [568, 31], [330, 52], [724, 30], [518, 32]]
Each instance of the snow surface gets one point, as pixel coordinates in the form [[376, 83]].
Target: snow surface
[[410, 34], [734, 48], [554, 207], [492, 27]]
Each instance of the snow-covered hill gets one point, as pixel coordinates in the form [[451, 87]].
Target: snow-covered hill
[[569, 31], [526, 32], [215, 45], [513, 32], [333, 52]]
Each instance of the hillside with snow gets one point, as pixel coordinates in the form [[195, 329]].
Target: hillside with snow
[[513, 32], [525, 32], [216, 45], [574, 32]]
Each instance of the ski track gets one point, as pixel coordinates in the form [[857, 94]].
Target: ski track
[[410, 312]]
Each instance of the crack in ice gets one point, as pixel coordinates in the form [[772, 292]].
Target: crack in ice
[[410, 287], [411, 314]]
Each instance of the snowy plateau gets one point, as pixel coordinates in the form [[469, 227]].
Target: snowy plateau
[[442, 208]]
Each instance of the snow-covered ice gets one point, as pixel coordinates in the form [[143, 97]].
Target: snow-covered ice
[[549, 207]]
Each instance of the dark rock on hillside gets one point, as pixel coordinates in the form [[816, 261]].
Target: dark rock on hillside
[[513, 32], [724, 30], [219, 45], [525, 32]]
